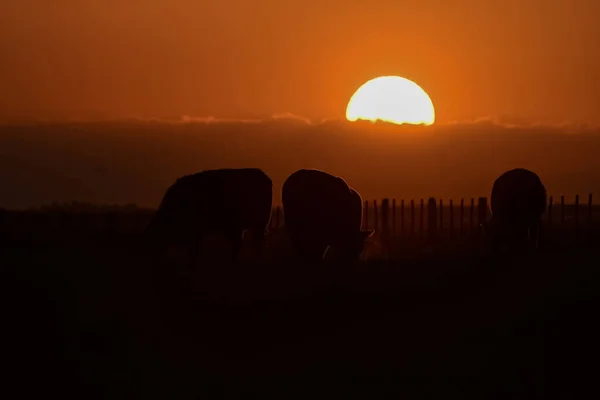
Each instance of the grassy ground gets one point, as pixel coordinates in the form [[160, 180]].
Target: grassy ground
[[95, 317]]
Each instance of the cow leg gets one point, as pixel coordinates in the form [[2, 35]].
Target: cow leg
[[500, 236], [236, 240], [310, 251], [258, 242], [194, 252], [158, 261], [318, 252], [521, 238], [498, 240], [534, 233], [312, 254], [513, 237]]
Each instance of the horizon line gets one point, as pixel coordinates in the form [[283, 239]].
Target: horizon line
[[506, 122]]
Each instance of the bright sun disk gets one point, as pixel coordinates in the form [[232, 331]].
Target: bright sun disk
[[391, 99]]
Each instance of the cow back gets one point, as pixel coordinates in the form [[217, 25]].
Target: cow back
[[320, 203], [215, 200]]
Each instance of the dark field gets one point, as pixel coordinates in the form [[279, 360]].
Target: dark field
[[88, 314]]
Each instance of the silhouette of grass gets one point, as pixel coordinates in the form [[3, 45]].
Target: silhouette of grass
[[98, 316]]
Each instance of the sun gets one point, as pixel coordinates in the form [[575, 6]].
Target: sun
[[391, 99]]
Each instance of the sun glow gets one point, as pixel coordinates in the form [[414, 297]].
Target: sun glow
[[391, 99]]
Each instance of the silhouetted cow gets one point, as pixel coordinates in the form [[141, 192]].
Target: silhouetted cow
[[517, 202], [321, 210], [228, 201]]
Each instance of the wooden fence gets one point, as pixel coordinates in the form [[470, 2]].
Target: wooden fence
[[409, 218], [438, 217], [387, 217]]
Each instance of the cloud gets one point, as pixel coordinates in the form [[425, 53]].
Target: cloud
[[523, 123], [134, 160], [285, 117], [291, 117], [288, 118], [186, 119]]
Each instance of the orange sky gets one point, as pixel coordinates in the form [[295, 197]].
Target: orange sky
[[534, 59]]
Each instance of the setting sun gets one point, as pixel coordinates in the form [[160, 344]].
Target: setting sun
[[391, 99]]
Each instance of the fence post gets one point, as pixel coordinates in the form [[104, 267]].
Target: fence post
[[462, 217], [385, 225], [441, 216], [375, 217], [385, 216], [402, 217], [431, 218], [412, 218], [562, 211], [451, 217], [366, 212], [482, 211], [394, 217], [577, 211], [550, 202], [471, 212], [589, 209], [421, 216]]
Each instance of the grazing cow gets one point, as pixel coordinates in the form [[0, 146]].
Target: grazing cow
[[321, 210], [517, 202], [227, 201]]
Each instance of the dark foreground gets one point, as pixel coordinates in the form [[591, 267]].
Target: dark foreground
[[100, 322]]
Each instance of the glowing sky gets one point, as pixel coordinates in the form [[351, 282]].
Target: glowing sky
[[535, 59]]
